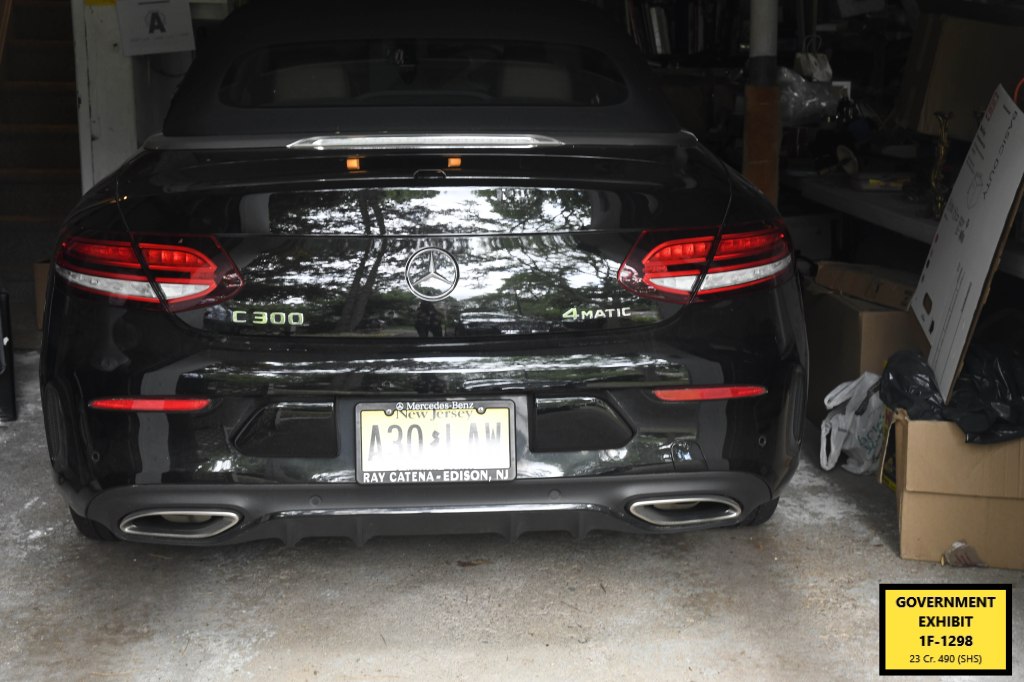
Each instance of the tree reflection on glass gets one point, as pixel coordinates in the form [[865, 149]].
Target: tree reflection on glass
[[525, 256]]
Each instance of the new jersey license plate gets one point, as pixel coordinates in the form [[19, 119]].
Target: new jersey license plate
[[445, 441]]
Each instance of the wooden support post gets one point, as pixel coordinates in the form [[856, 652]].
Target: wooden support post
[[762, 138], [762, 134], [6, 7]]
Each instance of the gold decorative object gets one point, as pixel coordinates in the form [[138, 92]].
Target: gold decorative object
[[940, 191]]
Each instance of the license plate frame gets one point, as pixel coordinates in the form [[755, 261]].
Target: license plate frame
[[430, 441]]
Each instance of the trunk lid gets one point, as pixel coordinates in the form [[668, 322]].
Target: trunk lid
[[406, 246]]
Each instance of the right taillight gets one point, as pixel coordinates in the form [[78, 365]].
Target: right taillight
[[667, 266], [191, 271]]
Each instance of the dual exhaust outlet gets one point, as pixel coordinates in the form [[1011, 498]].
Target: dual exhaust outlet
[[201, 524]]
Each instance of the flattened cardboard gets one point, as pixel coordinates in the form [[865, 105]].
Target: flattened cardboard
[[950, 491], [884, 286], [970, 238]]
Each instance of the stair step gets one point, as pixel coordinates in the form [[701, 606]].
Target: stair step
[[29, 242], [38, 102], [38, 86], [39, 201], [51, 128], [35, 175], [39, 168], [40, 21], [59, 43], [30, 86], [34, 219], [39, 60], [42, 43], [24, 148]]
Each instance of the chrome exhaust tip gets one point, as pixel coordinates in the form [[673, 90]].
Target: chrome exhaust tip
[[686, 511], [179, 524]]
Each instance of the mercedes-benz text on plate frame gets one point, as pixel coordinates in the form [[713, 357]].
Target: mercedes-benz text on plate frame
[[439, 441], [432, 274]]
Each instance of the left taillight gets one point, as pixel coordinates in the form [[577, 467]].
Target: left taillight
[[191, 271], [678, 267]]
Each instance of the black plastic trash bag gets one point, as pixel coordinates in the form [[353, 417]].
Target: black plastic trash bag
[[987, 401], [909, 383]]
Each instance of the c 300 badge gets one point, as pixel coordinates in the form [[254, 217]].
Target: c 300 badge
[[431, 274]]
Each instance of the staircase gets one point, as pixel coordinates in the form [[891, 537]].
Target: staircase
[[39, 171]]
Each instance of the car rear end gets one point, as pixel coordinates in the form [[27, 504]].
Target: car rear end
[[264, 347], [297, 335]]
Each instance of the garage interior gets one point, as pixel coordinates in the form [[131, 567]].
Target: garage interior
[[859, 165]]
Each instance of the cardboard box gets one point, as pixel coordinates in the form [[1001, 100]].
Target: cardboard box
[[40, 274], [848, 337], [953, 65], [884, 286], [950, 491]]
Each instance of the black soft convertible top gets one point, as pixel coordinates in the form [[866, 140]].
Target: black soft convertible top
[[199, 110]]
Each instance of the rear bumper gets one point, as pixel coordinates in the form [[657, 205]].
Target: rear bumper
[[290, 513], [569, 476]]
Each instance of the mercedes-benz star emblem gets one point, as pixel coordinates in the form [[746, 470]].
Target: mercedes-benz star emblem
[[431, 274]]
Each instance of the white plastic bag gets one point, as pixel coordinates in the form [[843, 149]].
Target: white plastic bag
[[812, 63], [856, 425], [814, 66]]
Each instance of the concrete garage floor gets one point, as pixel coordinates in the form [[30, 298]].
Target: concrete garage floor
[[796, 599]]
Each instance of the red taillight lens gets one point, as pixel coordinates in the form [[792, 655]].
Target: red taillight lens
[[694, 393], [107, 253], [150, 404], [694, 265], [191, 271], [692, 251], [177, 259]]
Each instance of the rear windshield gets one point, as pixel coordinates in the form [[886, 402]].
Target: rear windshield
[[423, 72]]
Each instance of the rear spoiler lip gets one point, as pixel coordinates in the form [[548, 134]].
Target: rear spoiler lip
[[431, 142], [415, 142]]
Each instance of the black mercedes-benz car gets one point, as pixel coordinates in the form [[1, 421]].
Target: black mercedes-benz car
[[405, 267]]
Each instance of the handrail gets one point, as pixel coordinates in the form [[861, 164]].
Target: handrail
[[5, 24]]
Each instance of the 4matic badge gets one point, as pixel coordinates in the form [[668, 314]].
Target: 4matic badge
[[575, 314], [431, 274]]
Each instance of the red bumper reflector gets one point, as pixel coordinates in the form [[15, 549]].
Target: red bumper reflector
[[150, 404], [694, 393]]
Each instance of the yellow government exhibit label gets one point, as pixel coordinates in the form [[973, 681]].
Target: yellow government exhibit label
[[945, 629]]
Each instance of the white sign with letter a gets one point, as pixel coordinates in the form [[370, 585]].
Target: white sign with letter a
[[155, 26]]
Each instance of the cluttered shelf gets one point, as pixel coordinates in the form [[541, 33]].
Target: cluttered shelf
[[889, 210]]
